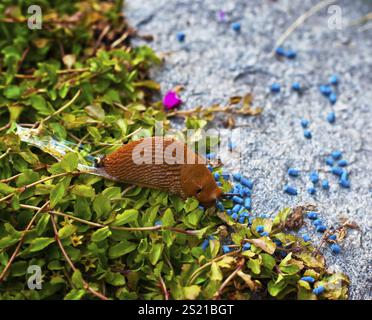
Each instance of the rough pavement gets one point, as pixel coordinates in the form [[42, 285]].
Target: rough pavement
[[215, 63]]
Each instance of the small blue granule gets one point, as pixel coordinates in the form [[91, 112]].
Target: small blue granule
[[241, 219], [333, 80], [279, 51], [264, 234], [248, 203], [226, 175], [237, 199], [332, 237], [317, 222], [210, 168], [306, 238], [342, 163], [293, 172], [181, 36], [246, 246], [229, 212], [237, 176], [311, 190], [260, 229], [275, 88], [325, 184], [158, 223], [308, 279], [226, 249], [201, 207], [232, 145], [244, 214], [205, 245], [236, 26], [236, 208], [337, 171], [332, 98], [220, 206], [234, 216], [331, 117], [325, 90], [314, 177], [307, 134], [246, 192], [305, 123], [277, 242], [318, 290], [219, 183], [321, 229], [247, 183], [335, 248], [291, 54], [216, 176], [264, 216], [336, 155], [329, 161], [344, 183], [290, 190], [296, 86], [312, 215]]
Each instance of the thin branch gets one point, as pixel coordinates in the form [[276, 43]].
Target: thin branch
[[300, 20], [18, 248], [164, 288], [5, 153], [69, 261]]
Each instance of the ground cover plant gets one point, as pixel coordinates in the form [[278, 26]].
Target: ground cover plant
[[78, 79]]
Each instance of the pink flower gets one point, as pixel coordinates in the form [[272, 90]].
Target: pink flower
[[171, 100]]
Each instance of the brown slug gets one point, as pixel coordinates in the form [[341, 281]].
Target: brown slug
[[165, 164]]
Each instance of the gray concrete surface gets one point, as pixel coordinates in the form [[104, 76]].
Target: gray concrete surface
[[215, 63]]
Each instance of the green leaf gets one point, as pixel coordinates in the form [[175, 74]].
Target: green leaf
[[40, 243], [265, 244], [77, 279], [67, 231], [191, 204], [268, 261], [115, 278], [155, 253], [168, 219], [75, 294], [275, 287], [101, 234], [42, 224], [12, 92], [127, 216], [215, 274], [102, 206], [5, 189], [254, 265], [57, 193], [191, 292], [121, 249], [83, 191], [70, 162]]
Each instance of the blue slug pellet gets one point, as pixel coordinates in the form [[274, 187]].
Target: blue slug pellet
[[314, 177], [344, 183], [308, 279], [236, 26], [237, 199], [236, 208], [307, 134], [279, 51], [305, 123], [329, 161], [247, 183], [246, 192], [311, 190], [325, 90], [290, 190], [293, 172], [220, 206], [205, 245], [248, 203], [226, 249], [325, 185], [306, 238], [335, 248], [336, 155], [234, 216], [264, 234], [181, 36], [291, 54], [296, 86], [342, 163], [312, 215], [331, 117], [260, 229], [246, 246], [241, 219], [333, 80], [237, 176], [337, 171], [317, 222], [321, 229], [332, 237], [216, 176], [332, 98], [318, 290], [275, 88]]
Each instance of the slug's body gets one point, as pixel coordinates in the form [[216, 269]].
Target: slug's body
[[164, 164]]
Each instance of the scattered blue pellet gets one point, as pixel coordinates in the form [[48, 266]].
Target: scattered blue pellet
[[236, 26], [337, 171], [307, 134], [236, 208], [275, 87], [226, 175], [181, 36], [234, 216], [205, 245], [317, 222], [332, 237], [211, 155], [201, 207], [293, 172], [247, 183], [220, 206], [344, 183], [312, 215], [296, 86], [246, 246], [264, 234], [342, 163], [219, 183], [332, 98], [290, 190], [318, 290], [335, 248], [237, 176], [241, 219], [229, 212], [331, 117], [314, 177], [325, 90], [158, 223], [308, 279], [333, 80], [231, 144], [345, 175], [329, 161], [244, 214], [321, 229], [248, 203], [210, 168], [306, 238], [237, 199], [336, 155], [246, 192], [260, 229], [311, 190], [277, 242], [280, 51], [226, 249], [325, 185], [305, 123], [291, 54], [216, 176]]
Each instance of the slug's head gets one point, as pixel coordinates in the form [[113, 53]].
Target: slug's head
[[197, 181]]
